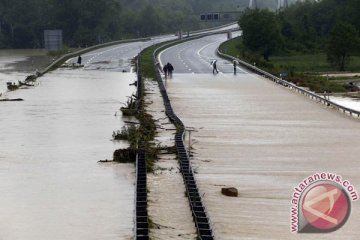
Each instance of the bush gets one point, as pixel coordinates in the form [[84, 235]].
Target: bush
[[126, 133], [127, 155]]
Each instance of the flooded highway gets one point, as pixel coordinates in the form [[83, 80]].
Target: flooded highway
[[52, 186], [249, 133], [263, 140], [260, 138]]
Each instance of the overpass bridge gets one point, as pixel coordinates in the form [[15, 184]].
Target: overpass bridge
[[280, 3]]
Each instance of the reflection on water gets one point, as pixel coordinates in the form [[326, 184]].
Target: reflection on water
[[51, 184]]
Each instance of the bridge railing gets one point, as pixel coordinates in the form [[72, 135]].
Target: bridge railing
[[290, 85]]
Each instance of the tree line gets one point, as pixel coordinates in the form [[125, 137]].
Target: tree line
[[329, 26], [88, 22]]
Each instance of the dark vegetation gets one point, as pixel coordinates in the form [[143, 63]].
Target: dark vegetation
[[126, 133], [140, 138], [141, 135], [89, 22], [328, 26], [303, 41]]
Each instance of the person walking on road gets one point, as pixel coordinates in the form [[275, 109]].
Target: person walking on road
[[213, 63]]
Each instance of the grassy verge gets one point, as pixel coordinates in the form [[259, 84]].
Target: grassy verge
[[147, 63], [303, 69], [315, 63]]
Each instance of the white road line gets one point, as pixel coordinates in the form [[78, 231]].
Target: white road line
[[159, 57]]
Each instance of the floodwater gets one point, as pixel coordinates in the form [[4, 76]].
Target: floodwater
[[168, 207], [51, 184], [262, 139], [15, 65], [352, 103]]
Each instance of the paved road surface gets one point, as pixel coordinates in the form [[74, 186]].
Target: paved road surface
[[117, 57], [52, 186], [196, 56]]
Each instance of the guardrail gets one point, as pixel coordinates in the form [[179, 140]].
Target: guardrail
[[292, 86], [199, 213], [208, 30], [141, 212]]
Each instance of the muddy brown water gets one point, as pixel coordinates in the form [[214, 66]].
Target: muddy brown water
[[51, 184], [264, 140]]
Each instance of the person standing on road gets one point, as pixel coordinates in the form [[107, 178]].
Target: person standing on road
[[213, 63], [234, 63], [165, 69], [79, 60], [170, 69]]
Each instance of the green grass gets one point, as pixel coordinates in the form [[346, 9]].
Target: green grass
[[302, 68], [299, 62], [310, 63], [231, 47], [147, 63]]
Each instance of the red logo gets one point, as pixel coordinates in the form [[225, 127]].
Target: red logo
[[325, 207]]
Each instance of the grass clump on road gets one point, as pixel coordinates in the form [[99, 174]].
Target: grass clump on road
[[140, 137], [129, 133]]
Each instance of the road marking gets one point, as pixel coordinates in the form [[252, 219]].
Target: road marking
[[159, 57], [97, 54], [198, 52]]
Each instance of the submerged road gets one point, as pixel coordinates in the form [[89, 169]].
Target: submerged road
[[259, 137], [52, 186]]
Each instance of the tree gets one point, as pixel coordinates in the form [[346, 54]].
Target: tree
[[261, 32], [149, 21], [343, 42]]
